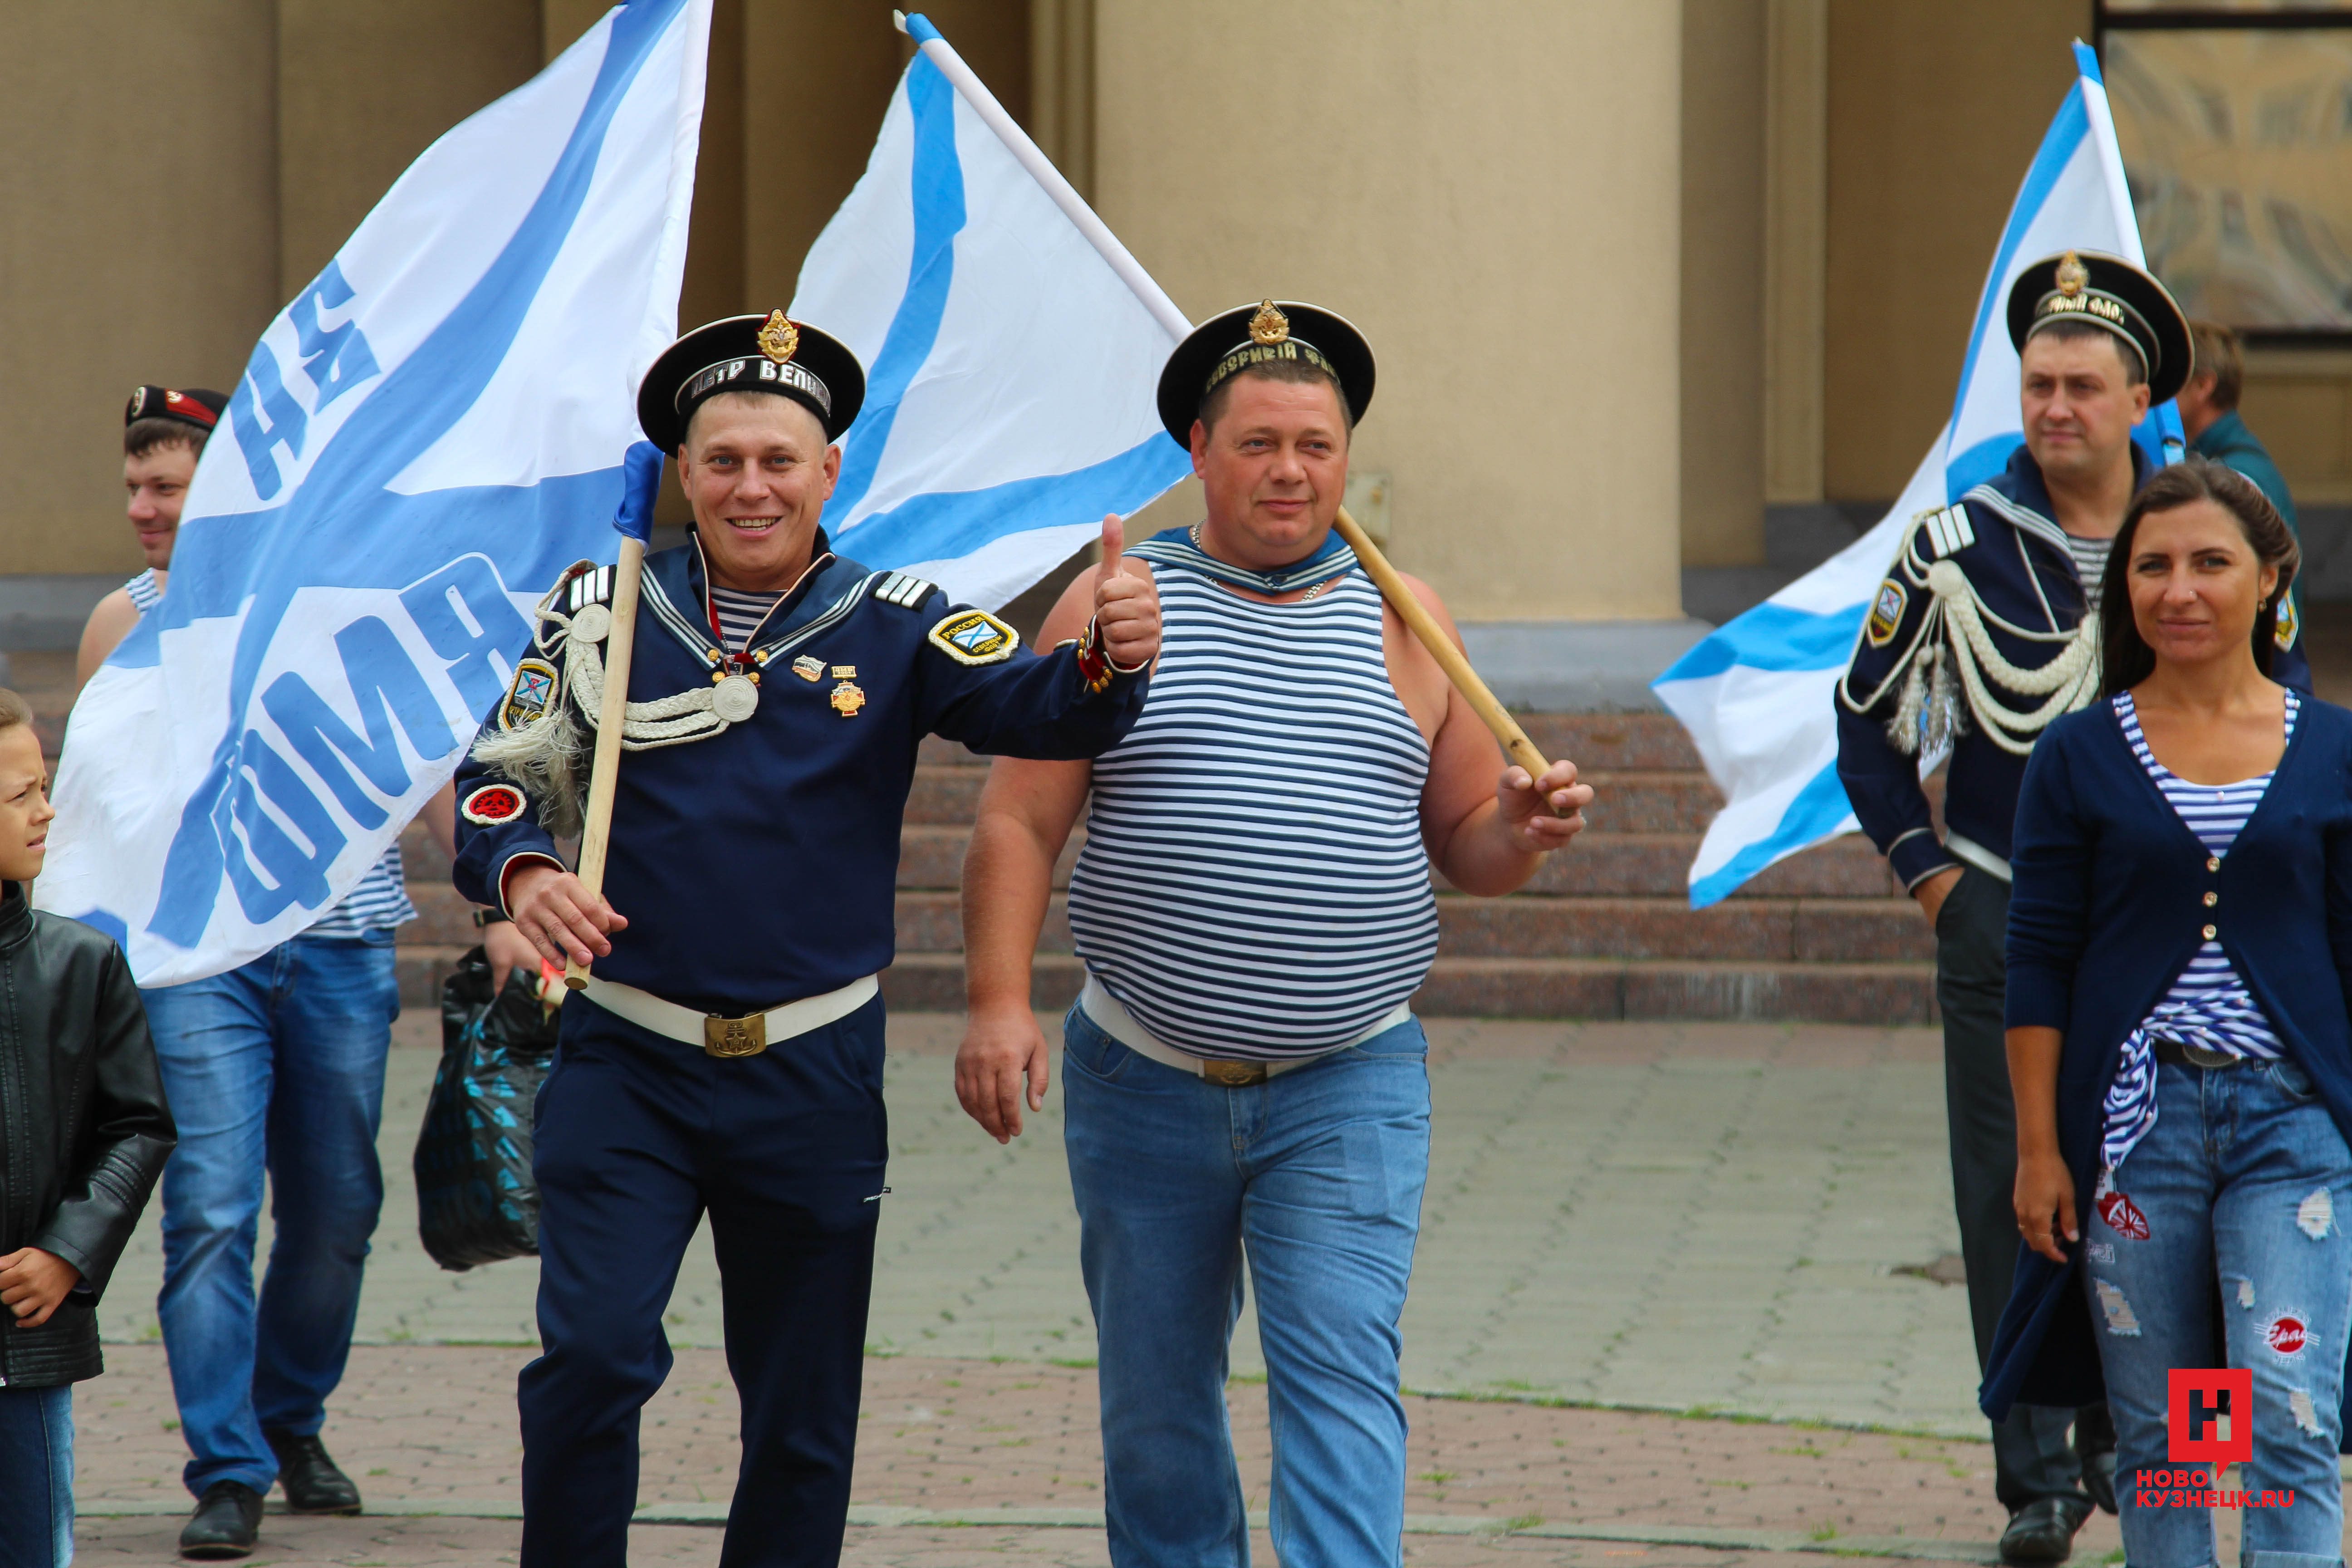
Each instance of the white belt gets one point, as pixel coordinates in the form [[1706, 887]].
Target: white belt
[[1111, 1016], [722, 1037], [1976, 855]]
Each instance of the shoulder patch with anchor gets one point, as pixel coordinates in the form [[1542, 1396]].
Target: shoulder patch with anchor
[[533, 691], [897, 588], [1886, 613], [2289, 623], [975, 637]]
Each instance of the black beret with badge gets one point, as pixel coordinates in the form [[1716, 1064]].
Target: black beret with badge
[[2109, 293], [1225, 345], [750, 353], [195, 405]]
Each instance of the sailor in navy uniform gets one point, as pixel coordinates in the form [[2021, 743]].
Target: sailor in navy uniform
[[726, 1053], [1984, 631]]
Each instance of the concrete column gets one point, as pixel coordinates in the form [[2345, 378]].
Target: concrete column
[[1493, 193], [140, 188], [1935, 110], [1796, 216], [1723, 228], [363, 88]]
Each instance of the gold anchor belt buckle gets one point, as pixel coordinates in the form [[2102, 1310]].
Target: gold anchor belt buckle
[[1234, 1075], [728, 1038]]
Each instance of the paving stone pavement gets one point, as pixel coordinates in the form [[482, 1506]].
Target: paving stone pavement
[[1707, 1217]]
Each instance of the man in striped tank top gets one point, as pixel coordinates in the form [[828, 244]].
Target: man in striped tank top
[[1245, 1079], [276, 1065]]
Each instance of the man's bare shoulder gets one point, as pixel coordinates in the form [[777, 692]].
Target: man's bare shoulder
[[109, 622], [1430, 602]]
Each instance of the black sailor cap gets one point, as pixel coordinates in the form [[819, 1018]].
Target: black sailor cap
[[193, 405], [1225, 345], [2110, 293], [750, 353]]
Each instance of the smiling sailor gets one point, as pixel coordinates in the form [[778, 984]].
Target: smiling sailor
[[726, 1053]]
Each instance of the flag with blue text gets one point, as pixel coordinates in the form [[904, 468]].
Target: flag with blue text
[[1756, 694], [420, 442], [1010, 372]]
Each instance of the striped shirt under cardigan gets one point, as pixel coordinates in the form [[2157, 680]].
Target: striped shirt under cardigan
[[2208, 1005]]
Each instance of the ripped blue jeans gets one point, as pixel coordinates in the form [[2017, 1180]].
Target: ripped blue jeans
[[2245, 1176]]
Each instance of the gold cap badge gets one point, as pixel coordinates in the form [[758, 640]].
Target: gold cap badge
[[2073, 276], [1269, 325], [778, 339]]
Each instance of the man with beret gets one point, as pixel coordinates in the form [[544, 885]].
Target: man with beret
[[1245, 1078], [275, 1067], [2021, 557], [726, 1055]]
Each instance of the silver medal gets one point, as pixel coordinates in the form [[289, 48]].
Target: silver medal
[[735, 699], [592, 624]]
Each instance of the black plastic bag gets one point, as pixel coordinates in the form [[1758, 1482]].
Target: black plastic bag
[[476, 1199]]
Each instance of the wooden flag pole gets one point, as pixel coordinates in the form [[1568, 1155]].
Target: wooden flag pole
[[620, 646], [1450, 659]]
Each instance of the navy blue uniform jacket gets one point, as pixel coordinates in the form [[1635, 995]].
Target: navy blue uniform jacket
[[759, 866], [2015, 557], [2107, 906]]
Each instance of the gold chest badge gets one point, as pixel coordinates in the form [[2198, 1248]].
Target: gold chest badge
[[848, 698]]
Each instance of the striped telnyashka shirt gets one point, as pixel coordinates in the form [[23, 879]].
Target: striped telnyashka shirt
[[1254, 883], [2209, 1005], [2090, 564], [739, 614]]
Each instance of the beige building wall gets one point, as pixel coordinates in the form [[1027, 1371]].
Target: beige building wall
[[1935, 110], [138, 178], [1492, 193]]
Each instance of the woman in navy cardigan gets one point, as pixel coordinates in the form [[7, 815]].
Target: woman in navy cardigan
[[2180, 935]]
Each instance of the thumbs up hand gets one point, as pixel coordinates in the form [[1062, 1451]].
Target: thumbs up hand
[[1126, 604]]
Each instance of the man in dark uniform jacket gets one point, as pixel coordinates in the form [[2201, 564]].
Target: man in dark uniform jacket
[[1983, 632], [727, 1052]]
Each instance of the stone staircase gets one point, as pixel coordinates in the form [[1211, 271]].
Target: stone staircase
[[1603, 932]]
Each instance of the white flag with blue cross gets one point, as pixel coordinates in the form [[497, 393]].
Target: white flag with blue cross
[[421, 442], [1756, 694], [1010, 371]]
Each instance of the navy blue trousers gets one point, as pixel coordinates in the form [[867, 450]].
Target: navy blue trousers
[[637, 1136]]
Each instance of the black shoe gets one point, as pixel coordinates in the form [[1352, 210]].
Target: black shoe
[[227, 1523], [312, 1483], [2099, 1478], [2044, 1529]]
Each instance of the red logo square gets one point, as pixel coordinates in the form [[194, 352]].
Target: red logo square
[[2208, 1416]]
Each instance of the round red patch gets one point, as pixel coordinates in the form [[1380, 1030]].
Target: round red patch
[[2123, 1217], [2287, 1336], [493, 804]]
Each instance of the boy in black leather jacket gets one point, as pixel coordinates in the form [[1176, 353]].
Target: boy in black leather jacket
[[85, 1131]]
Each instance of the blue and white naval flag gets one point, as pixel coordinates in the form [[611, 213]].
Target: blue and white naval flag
[[430, 433], [1758, 694], [1009, 369]]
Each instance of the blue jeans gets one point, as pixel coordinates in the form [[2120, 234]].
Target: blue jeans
[[2243, 1178], [1316, 1176], [36, 1469], [276, 1065]]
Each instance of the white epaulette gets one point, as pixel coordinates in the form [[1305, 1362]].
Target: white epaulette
[[1947, 528], [591, 587], [908, 593]]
